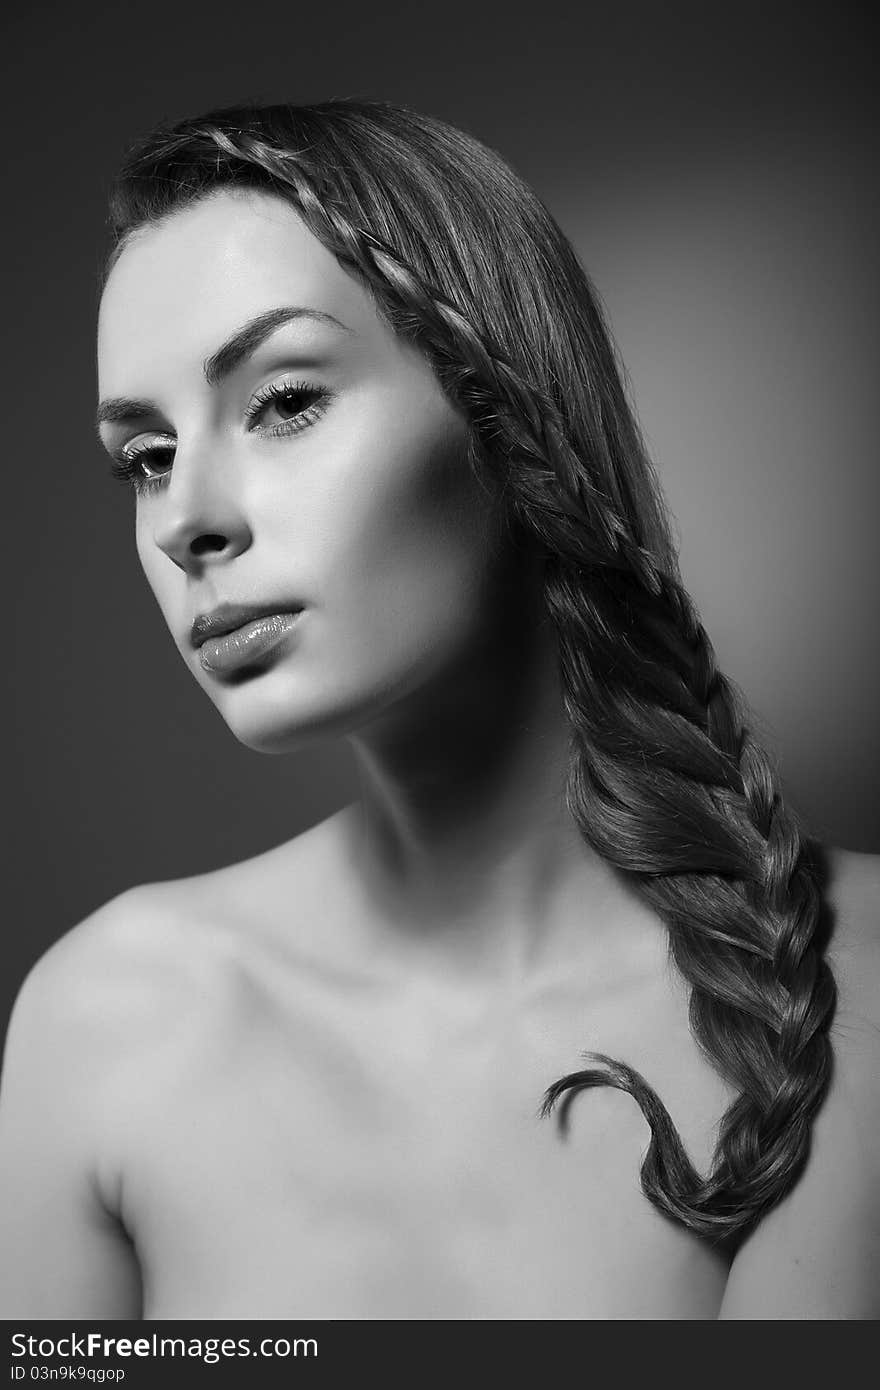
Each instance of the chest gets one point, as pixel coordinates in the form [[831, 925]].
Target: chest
[[394, 1165]]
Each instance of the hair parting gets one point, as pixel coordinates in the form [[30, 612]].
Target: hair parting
[[666, 780]]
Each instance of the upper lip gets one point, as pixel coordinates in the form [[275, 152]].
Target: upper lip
[[228, 616]]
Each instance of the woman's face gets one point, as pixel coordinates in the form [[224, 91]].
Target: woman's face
[[311, 468]]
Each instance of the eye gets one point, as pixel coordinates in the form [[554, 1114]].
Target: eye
[[297, 404], [146, 463], [143, 466]]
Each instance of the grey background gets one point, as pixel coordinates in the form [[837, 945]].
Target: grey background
[[715, 167]]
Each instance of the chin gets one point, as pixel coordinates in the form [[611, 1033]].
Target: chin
[[270, 718], [287, 734], [272, 738]]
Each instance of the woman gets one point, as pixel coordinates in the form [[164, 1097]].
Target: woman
[[388, 487]]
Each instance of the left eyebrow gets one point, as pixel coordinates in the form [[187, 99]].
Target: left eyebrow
[[241, 345]]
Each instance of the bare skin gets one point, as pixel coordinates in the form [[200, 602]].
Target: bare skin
[[307, 1085], [298, 1122], [226, 1098]]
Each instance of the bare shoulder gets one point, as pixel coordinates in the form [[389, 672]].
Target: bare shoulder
[[97, 1019], [145, 994], [142, 948], [126, 940], [104, 989], [817, 1254], [853, 894], [154, 939]]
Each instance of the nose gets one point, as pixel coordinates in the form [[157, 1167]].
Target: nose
[[200, 518]]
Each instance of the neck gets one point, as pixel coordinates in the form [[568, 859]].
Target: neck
[[461, 841]]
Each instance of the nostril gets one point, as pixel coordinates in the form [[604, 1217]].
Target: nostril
[[205, 543]]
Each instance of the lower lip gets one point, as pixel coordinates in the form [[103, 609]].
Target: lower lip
[[246, 644]]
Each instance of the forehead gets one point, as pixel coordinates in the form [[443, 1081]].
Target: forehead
[[180, 287]]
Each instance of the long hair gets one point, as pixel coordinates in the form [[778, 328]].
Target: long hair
[[665, 778]]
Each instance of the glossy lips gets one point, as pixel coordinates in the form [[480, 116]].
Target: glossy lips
[[232, 637]]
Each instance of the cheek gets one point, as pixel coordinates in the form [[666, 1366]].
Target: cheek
[[407, 552], [424, 577]]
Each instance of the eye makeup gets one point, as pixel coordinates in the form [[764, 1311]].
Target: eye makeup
[[299, 404]]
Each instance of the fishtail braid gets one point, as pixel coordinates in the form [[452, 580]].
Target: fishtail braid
[[667, 783]]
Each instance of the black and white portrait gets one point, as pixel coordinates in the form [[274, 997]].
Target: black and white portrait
[[443, 758]]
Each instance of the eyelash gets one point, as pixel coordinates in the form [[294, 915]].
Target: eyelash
[[125, 466]]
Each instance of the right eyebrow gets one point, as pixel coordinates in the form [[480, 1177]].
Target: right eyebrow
[[241, 345]]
